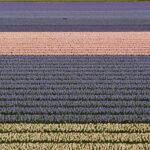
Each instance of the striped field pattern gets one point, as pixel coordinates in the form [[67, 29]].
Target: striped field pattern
[[75, 136], [68, 90], [75, 89]]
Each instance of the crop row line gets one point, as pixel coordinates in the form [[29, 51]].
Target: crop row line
[[96, 83], [72, 131], [74, 106], [69, 100], [73, 113], [79, 93], [69, 142]]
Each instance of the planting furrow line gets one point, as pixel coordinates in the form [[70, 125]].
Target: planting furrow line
[[69, 99], [74, 110], [137, 106]]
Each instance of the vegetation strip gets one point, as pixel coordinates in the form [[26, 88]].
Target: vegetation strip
[[76, 137], [73, 146], [91, 127]]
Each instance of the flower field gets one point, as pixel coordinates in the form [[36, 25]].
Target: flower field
[[75, 76]]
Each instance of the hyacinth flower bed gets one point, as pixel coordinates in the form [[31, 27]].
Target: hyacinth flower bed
[[74, 17], [74, 76]]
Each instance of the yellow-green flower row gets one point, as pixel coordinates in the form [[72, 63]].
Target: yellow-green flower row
[[74, 127], [75, 137], [73, 146]]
